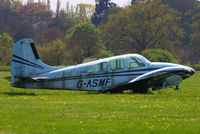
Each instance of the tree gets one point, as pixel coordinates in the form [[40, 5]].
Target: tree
[[195, 37], [159, 55], [48, 5], [13, 23], [85, 38], [65, 20], [142, 26], [5, 4], [133, 2], [74, 54], [111, 11], [85, 11], [44, 36], [69, 18], [102, 8], [58, 8], [181, 5], [35, 12], [186, 7], [10, 4], [30, 1], [6, 45], [53, 52]]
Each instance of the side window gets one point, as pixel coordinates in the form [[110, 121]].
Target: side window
[[116, 64], [101, 67], [134, 62]]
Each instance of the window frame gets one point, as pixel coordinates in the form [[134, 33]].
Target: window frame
[[123, 62], [100, 71], [136, 59]]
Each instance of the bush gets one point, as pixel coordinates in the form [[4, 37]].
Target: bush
[[89, 59], [159, 55], [197, 67], [6, 45], [53, 52]]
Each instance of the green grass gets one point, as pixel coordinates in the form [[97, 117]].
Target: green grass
[[4, 68], [52, 111]]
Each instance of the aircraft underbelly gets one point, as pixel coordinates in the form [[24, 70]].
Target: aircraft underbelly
[[44, 85], [91, 84]]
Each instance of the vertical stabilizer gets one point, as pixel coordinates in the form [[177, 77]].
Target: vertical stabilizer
[[26, 61]]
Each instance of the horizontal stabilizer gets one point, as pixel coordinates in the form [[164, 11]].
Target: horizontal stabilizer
[[39, 78]]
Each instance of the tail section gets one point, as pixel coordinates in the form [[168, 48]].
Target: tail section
[[26, 61]]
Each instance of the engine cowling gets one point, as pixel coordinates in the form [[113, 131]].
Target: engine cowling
[[173, 80], [170, 81]]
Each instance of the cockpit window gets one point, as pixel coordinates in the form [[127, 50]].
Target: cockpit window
[[101, 67], [116, 64], [134, 62]]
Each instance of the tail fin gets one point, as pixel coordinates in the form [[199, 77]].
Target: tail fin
[[26, 61]]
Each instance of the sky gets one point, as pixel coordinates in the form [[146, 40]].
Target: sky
[[75, 2]]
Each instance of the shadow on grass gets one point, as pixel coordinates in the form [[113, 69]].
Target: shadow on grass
[[150, 92], [7, 78], [19, 94]]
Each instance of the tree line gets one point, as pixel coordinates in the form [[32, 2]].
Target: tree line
[[161, 30]]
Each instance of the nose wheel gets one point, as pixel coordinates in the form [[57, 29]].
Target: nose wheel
[[178, 89]]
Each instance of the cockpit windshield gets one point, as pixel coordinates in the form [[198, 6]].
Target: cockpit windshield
[[146, 60], [134, 62]]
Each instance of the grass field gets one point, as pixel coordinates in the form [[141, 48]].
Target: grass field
[[26, 111]]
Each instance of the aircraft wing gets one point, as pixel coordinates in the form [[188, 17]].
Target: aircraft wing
[[157, 77]]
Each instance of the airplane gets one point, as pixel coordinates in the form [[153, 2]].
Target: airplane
[[114, 74]]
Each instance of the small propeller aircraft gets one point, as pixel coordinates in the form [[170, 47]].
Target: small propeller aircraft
[[114, 74]]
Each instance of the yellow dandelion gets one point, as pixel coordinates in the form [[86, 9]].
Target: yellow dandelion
[[151, 127]]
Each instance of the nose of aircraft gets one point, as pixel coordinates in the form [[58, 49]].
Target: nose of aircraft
[[192, 71], [189, 70]]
